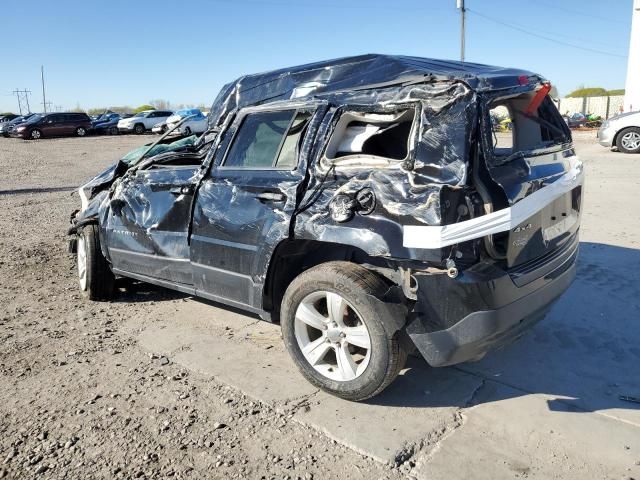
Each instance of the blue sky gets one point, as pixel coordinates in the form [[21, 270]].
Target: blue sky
[[127, 52]]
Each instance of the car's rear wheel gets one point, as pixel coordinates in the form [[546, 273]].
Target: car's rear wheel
[[340, 333], [139, 128], [113, 131], [81, 132], [628, 140], [97, 281], [35, 134]]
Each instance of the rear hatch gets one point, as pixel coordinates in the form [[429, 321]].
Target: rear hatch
[[532, 169]]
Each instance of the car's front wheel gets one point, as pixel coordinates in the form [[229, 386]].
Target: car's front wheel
[[339, 331], [35, 134], [97, 281], [113, 131], [139, 129], [628, 140]]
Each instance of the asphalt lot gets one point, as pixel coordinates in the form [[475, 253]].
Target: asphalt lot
[[547, 406]]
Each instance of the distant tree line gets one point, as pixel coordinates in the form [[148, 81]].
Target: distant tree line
[[595, 92]]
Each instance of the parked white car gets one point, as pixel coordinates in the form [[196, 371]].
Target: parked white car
[[195, 125], [622, 131], [143, 121], [180, 114], [159, 128]]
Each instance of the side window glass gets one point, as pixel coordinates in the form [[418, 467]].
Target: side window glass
[[288, 157], [259, 139], [502, 127]]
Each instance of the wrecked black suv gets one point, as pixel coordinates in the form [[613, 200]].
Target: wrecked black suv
[[364, 203]]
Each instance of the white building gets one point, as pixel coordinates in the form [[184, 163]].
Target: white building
[[632, 86]]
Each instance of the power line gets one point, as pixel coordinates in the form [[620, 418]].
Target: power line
[[565, 35], [575, 12], [533, 34]]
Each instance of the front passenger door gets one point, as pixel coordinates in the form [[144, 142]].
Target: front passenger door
[[244, 206], [148, 222], [54, 125]]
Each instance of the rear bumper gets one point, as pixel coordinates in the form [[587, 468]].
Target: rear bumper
[[481, 329]]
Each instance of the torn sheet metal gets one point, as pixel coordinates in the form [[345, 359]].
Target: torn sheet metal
[[503, 220]]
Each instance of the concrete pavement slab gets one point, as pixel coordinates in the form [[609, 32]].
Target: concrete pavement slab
[[508, 435]]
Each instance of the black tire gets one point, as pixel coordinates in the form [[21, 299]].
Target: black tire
[[99, 281], [35, 134], [113, 131], [139, 128], [81, 132], [623, 143], [362, 290]]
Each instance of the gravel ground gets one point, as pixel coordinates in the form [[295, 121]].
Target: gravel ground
[[78, 397]]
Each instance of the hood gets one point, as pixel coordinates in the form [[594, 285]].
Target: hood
[[105, 178], [623, 115], [174, 119]]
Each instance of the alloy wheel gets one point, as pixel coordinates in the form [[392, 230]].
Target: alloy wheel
[[332, 336], [35, 134], [631, 140]]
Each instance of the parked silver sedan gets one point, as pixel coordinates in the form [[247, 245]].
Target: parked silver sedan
[[621, 131]]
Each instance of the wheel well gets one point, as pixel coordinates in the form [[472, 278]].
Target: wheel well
[[292, 257], [615, 137]]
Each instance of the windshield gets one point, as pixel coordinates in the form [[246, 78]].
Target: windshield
[[133, 156], [141, 114], [35, 118], [187, 112]]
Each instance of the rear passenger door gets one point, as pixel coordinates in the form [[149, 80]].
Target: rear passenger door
[[245, 204], [68, 125]]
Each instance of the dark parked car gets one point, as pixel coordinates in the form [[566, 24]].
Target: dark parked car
[[8, 117], [53, 125], [362, 204], [7, 127], [107, 123]]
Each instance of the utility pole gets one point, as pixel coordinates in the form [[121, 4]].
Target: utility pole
[[44, 97], [460, 6], [23, 100]]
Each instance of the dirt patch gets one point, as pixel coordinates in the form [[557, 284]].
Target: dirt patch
[[78, 398]]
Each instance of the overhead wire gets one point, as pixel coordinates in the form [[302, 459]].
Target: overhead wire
[[544, 37]]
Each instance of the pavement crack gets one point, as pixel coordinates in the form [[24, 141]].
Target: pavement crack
[[422, 451], [292, 405], [471, 400]]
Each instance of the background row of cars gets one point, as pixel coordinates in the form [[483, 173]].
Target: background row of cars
[[34, 126]]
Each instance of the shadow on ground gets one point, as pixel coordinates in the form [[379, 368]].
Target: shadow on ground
[[24, 191], [584, 355]]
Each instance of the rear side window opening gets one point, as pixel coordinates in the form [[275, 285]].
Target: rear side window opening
[[371, 138], [514, 131]]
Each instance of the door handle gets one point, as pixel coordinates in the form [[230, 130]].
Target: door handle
[[271, 197], [183, 190]]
